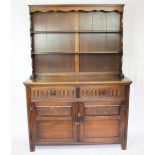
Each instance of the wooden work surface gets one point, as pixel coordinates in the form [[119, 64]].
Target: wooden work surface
[[77, 80]]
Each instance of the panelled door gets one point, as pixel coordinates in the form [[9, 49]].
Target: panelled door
[[55, 122], [100, 122], [84, 122]]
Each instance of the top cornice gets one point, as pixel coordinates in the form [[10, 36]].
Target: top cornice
[[77, 7]]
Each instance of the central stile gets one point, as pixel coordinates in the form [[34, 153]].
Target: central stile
[[77, 64]]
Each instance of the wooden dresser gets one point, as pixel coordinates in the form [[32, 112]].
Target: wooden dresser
[[77, 93]]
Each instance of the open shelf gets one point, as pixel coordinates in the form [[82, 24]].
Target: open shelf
[[75, 42], [83, 42], [56, 74], [49, 53]]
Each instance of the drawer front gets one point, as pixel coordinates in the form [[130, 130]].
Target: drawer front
[[53, 109], [53, 92], [102, 92]]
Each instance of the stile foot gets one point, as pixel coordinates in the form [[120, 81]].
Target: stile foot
[[32, 148]]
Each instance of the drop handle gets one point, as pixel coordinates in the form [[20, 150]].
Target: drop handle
[[77, 119], [79, 114], [80, 118]]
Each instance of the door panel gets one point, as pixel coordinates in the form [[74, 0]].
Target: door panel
[[100, 122], [55, 123], [55, 129], [100, 127]]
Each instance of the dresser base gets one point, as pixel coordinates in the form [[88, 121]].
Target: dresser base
[[77, 113]]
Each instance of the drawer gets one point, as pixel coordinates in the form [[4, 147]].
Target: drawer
[[102, 92], [53, 92], [53, 109], [105, 108]]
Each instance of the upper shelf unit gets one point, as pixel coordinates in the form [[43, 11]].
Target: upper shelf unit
[[76, 38]]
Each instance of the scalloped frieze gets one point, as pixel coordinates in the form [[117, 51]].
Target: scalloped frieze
[[102, 92], [46, 8], [50, 92]]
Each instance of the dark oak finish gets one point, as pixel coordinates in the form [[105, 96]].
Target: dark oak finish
[[77, 93]]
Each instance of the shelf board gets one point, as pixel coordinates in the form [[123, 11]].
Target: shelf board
[[49, 53], [74, 31], [98, 52], [116, 73]]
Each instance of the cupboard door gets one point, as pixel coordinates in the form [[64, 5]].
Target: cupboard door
[[100, 123], [55, 123]]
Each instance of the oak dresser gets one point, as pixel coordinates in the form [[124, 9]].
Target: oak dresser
[[77, 93]]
